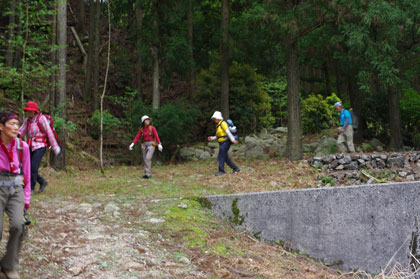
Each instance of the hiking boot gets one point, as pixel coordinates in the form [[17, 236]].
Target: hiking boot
[[147, 176], [10, 274], [219, 173], [43, 186], [236, 170]]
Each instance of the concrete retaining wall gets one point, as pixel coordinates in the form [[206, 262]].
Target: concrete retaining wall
[[353, 227]]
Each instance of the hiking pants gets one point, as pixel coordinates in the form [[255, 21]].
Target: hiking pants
[[223, 156], [36, 157], [345, 140], [147, 149], [13, 205]]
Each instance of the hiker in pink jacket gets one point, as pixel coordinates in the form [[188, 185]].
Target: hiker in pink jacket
[[39, 134], [15, 189]]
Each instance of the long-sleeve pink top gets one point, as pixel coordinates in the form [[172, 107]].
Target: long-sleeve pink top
[[26, 165], [31, 130]]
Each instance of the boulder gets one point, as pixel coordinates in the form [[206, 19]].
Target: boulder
[[204, 155], [326, 146], [278, 148], [376, 143], [395, 160], [186, 154], [279, 130], [255, 148]]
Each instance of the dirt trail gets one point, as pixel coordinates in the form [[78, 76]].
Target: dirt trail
[[97, 239]]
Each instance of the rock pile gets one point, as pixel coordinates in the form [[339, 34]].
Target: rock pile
[[365, 161], [351, 169]]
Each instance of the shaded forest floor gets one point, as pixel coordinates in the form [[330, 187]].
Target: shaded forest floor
[[118, 225]]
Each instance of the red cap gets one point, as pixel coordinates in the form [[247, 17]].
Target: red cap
[[32, 106]]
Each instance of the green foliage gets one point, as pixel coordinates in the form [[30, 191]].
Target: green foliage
[[110, 124], [250, 106], [410, 116], [316, 114], [332, 99], [278, 96], [326, 179], [60, 124], [174, 122], [31, 46]]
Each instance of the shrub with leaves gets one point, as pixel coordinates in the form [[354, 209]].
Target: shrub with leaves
[[110, 123], [249, 103], [317, 114], [410, 116], [278, 99]]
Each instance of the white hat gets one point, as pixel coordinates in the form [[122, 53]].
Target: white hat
[[217, 115], [337, 104], [144, 117]]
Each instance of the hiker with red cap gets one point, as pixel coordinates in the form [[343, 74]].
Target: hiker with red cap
[[151, 139], [39, 136], [15, 189]]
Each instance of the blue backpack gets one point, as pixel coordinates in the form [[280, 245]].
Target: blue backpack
[[232, 129]]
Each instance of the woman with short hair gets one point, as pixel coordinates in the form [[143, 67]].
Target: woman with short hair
[[15, 188]]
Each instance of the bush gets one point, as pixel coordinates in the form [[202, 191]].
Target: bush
[[174, 122], [250, 107], [110, 123], [317, 114], [410, 117], [278, 100]]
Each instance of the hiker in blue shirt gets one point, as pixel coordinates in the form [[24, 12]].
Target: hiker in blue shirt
[[345, 132]]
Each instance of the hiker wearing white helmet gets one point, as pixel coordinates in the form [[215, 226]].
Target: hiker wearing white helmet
[[151, 139], [345, 132], [225, 139]]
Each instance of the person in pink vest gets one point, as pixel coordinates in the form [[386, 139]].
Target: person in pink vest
[[38, 132], [150, 139], [15, 188]]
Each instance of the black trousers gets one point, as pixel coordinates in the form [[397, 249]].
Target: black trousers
[[36, 157]]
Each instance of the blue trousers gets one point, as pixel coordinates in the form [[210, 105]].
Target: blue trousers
[[223, 156], [36, 157]]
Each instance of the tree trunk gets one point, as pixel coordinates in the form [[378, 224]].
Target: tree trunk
[[95, 91], [394, 98], [294, 142], [156, 90], [225, 59], [82, 22], [88, 81], [11, 39], [53, 78], [356, 100], [155, 57], [139, 69], [190, 43], [59, 161], [18, 18], [327, 79]]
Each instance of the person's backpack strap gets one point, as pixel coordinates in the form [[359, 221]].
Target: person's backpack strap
[[153, 135], [50, 120], [19, 148]]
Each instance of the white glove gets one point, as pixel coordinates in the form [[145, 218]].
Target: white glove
[[160, 147], [57, 150], [131, 146]]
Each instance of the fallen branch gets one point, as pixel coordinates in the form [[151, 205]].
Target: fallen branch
[[80, 45], [374, 178], [243, 274]]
